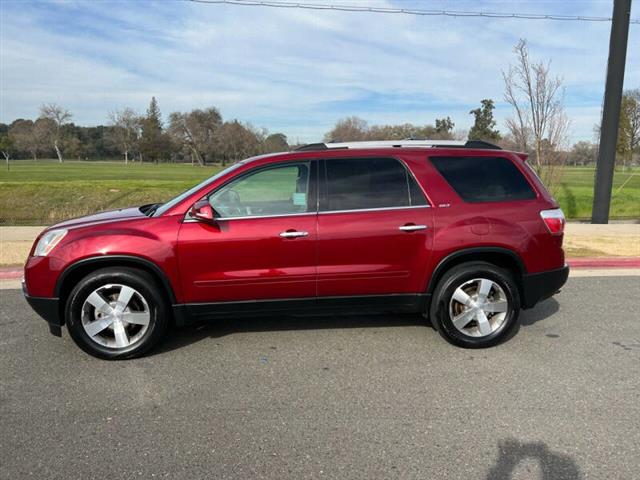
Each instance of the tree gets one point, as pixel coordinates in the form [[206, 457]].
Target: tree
[[237, 141], [583, 153], [58, 117], [350, 129], [629, 128], [537, 99], [444, 126], [483, 126], [23, 136], [276, 142], [196, 132], [6, 147], [154, 143], [125, 131]]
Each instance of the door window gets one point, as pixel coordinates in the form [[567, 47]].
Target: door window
[[368, 183], [279, 190]]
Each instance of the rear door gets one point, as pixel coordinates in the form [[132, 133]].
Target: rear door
[[374, 228], [263, 243]]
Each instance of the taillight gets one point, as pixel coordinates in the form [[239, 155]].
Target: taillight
[[554, 220]]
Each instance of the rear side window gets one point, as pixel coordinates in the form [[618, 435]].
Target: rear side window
[[365, 183], [484, 179]]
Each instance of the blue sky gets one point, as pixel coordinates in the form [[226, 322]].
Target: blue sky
[[295, 71]]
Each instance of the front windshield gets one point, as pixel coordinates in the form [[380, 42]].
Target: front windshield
[[174, 201]]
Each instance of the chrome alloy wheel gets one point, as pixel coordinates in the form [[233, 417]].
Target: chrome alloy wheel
[[478, 307], [115, 316]]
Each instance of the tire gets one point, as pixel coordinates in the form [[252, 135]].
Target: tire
[[99, 324], [465, 316]]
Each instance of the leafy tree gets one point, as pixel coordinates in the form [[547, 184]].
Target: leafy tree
[[444, 126], [155, 145], [22, 133], [484, 125], [57, 117]]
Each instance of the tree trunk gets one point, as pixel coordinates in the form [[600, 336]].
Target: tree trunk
[[6, 156], [126, 157], [58, 152]]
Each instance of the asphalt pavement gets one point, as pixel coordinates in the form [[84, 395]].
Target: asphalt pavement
[[369, 397]]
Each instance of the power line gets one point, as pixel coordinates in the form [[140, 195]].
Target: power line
[[407, 11]]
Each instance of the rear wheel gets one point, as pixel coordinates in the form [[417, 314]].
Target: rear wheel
[[116, 313], [475, 305]]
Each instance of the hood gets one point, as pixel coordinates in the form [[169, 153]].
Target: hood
[[103, 217]]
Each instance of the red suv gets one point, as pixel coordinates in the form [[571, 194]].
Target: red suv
[[464, 233]]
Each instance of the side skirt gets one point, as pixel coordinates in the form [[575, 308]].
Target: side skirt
[[187, 313]]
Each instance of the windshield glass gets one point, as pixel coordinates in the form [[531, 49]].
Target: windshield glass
[[174, 201]]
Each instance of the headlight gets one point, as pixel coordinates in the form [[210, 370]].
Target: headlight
[[48, 241]]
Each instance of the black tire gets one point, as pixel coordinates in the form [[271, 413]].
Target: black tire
[[463, 274], [144, 285]]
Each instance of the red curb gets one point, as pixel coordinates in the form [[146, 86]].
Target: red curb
[[10, 274], [604, 262]]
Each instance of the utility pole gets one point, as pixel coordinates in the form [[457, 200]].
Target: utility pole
[[611, 111]]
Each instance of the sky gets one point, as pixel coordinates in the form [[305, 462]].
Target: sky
[[296, 71]]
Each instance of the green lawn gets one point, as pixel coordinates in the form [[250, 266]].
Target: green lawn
[[45, 192], [575, 193]]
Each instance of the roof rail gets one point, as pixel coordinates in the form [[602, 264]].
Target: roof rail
[[399, 144]]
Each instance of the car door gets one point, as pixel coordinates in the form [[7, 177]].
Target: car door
[[374, 228], [262, 244]]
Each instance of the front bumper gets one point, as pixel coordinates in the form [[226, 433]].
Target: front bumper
[[539, 286], [47, 308]]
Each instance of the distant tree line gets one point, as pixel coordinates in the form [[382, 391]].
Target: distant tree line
[[198, 136]]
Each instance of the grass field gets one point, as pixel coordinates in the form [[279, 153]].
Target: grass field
[[45, 192]]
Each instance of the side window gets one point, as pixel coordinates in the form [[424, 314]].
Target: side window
[[279, 190], [484, 179], [365, 183]]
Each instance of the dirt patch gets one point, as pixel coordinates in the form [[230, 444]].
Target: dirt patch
[[620, 245], [14, 252]]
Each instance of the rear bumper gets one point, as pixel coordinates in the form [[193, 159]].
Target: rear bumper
[[47, 308], [539, 286]]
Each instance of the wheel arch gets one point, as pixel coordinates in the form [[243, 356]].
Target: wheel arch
[[499, 256], [76, 271]]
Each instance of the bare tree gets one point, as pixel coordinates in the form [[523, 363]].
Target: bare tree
[[540, 124], [58, 117], [196, 131], [125, 133], [350, 129]]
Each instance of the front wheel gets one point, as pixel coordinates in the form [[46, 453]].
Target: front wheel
[[116, 313], [475, 305]]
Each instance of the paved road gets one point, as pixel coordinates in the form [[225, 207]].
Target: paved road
[[334, 397]]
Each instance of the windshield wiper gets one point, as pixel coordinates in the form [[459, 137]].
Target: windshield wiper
[[150, 209]]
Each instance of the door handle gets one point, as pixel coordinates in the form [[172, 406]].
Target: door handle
[[293, 234], [412, 228]]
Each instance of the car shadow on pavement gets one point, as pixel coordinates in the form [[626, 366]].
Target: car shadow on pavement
[[541, 311], [184, 336], [553, 465]]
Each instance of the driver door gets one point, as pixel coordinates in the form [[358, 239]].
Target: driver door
[[262, 245]]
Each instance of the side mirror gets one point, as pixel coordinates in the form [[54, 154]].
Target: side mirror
[[202, 211]]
